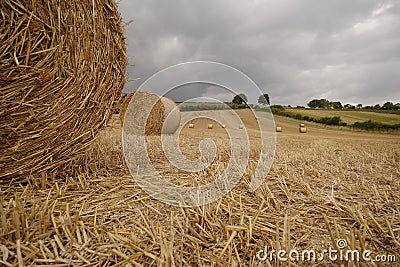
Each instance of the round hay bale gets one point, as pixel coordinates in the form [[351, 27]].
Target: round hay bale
[[302, 130], [279, 129], [191, 125], [301, 125], [240, 126], [164, 117], [173, 116], [210, 126], [62, 70], [223, 126]]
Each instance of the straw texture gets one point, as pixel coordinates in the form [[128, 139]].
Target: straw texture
[[62, 69], [312, 197]]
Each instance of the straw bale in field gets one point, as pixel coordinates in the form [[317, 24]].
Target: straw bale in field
[[164, 116], [62, 69]]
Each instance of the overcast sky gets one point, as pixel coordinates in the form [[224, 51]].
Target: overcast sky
[[294, 50]]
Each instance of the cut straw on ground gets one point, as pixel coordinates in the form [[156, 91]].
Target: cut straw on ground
[[312, 197]]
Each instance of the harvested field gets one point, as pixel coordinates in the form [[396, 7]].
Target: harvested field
[[323, 186], [349, 116]]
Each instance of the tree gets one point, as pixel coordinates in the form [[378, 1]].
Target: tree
[[388, 106], [263, 99], [239, 99], [321, 103], [359, 106], [325, 103], [377, 106], [337, 105], [349, 106], [313, 103]]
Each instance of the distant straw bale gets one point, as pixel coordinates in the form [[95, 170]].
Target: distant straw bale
[[62, 69], [302, 130], [164, 116]]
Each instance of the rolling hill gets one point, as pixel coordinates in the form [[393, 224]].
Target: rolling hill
[[349, 116]]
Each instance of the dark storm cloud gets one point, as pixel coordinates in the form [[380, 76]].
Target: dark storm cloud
[[294, 50], [200, 90]]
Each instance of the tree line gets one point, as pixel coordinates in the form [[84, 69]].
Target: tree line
[[326, 104], [321, 103]]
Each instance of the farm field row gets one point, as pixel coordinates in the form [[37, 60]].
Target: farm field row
[[289, 127], [349, 116]]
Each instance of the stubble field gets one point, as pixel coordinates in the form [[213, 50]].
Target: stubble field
[[350, 116], [323, 186]]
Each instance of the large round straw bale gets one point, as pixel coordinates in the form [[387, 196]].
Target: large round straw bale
[[210, 126], [191, 125], [124, 106], [279, 129], [164, 117], [301, 125], [240, 126], [302, 130], [62, 69]]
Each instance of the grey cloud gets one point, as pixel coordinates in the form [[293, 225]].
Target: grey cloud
[[200, 90], [294, 50]]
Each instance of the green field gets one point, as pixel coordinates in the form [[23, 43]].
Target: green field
[[349, 116]]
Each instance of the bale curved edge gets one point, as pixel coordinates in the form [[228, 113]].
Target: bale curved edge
[[164, 117]]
